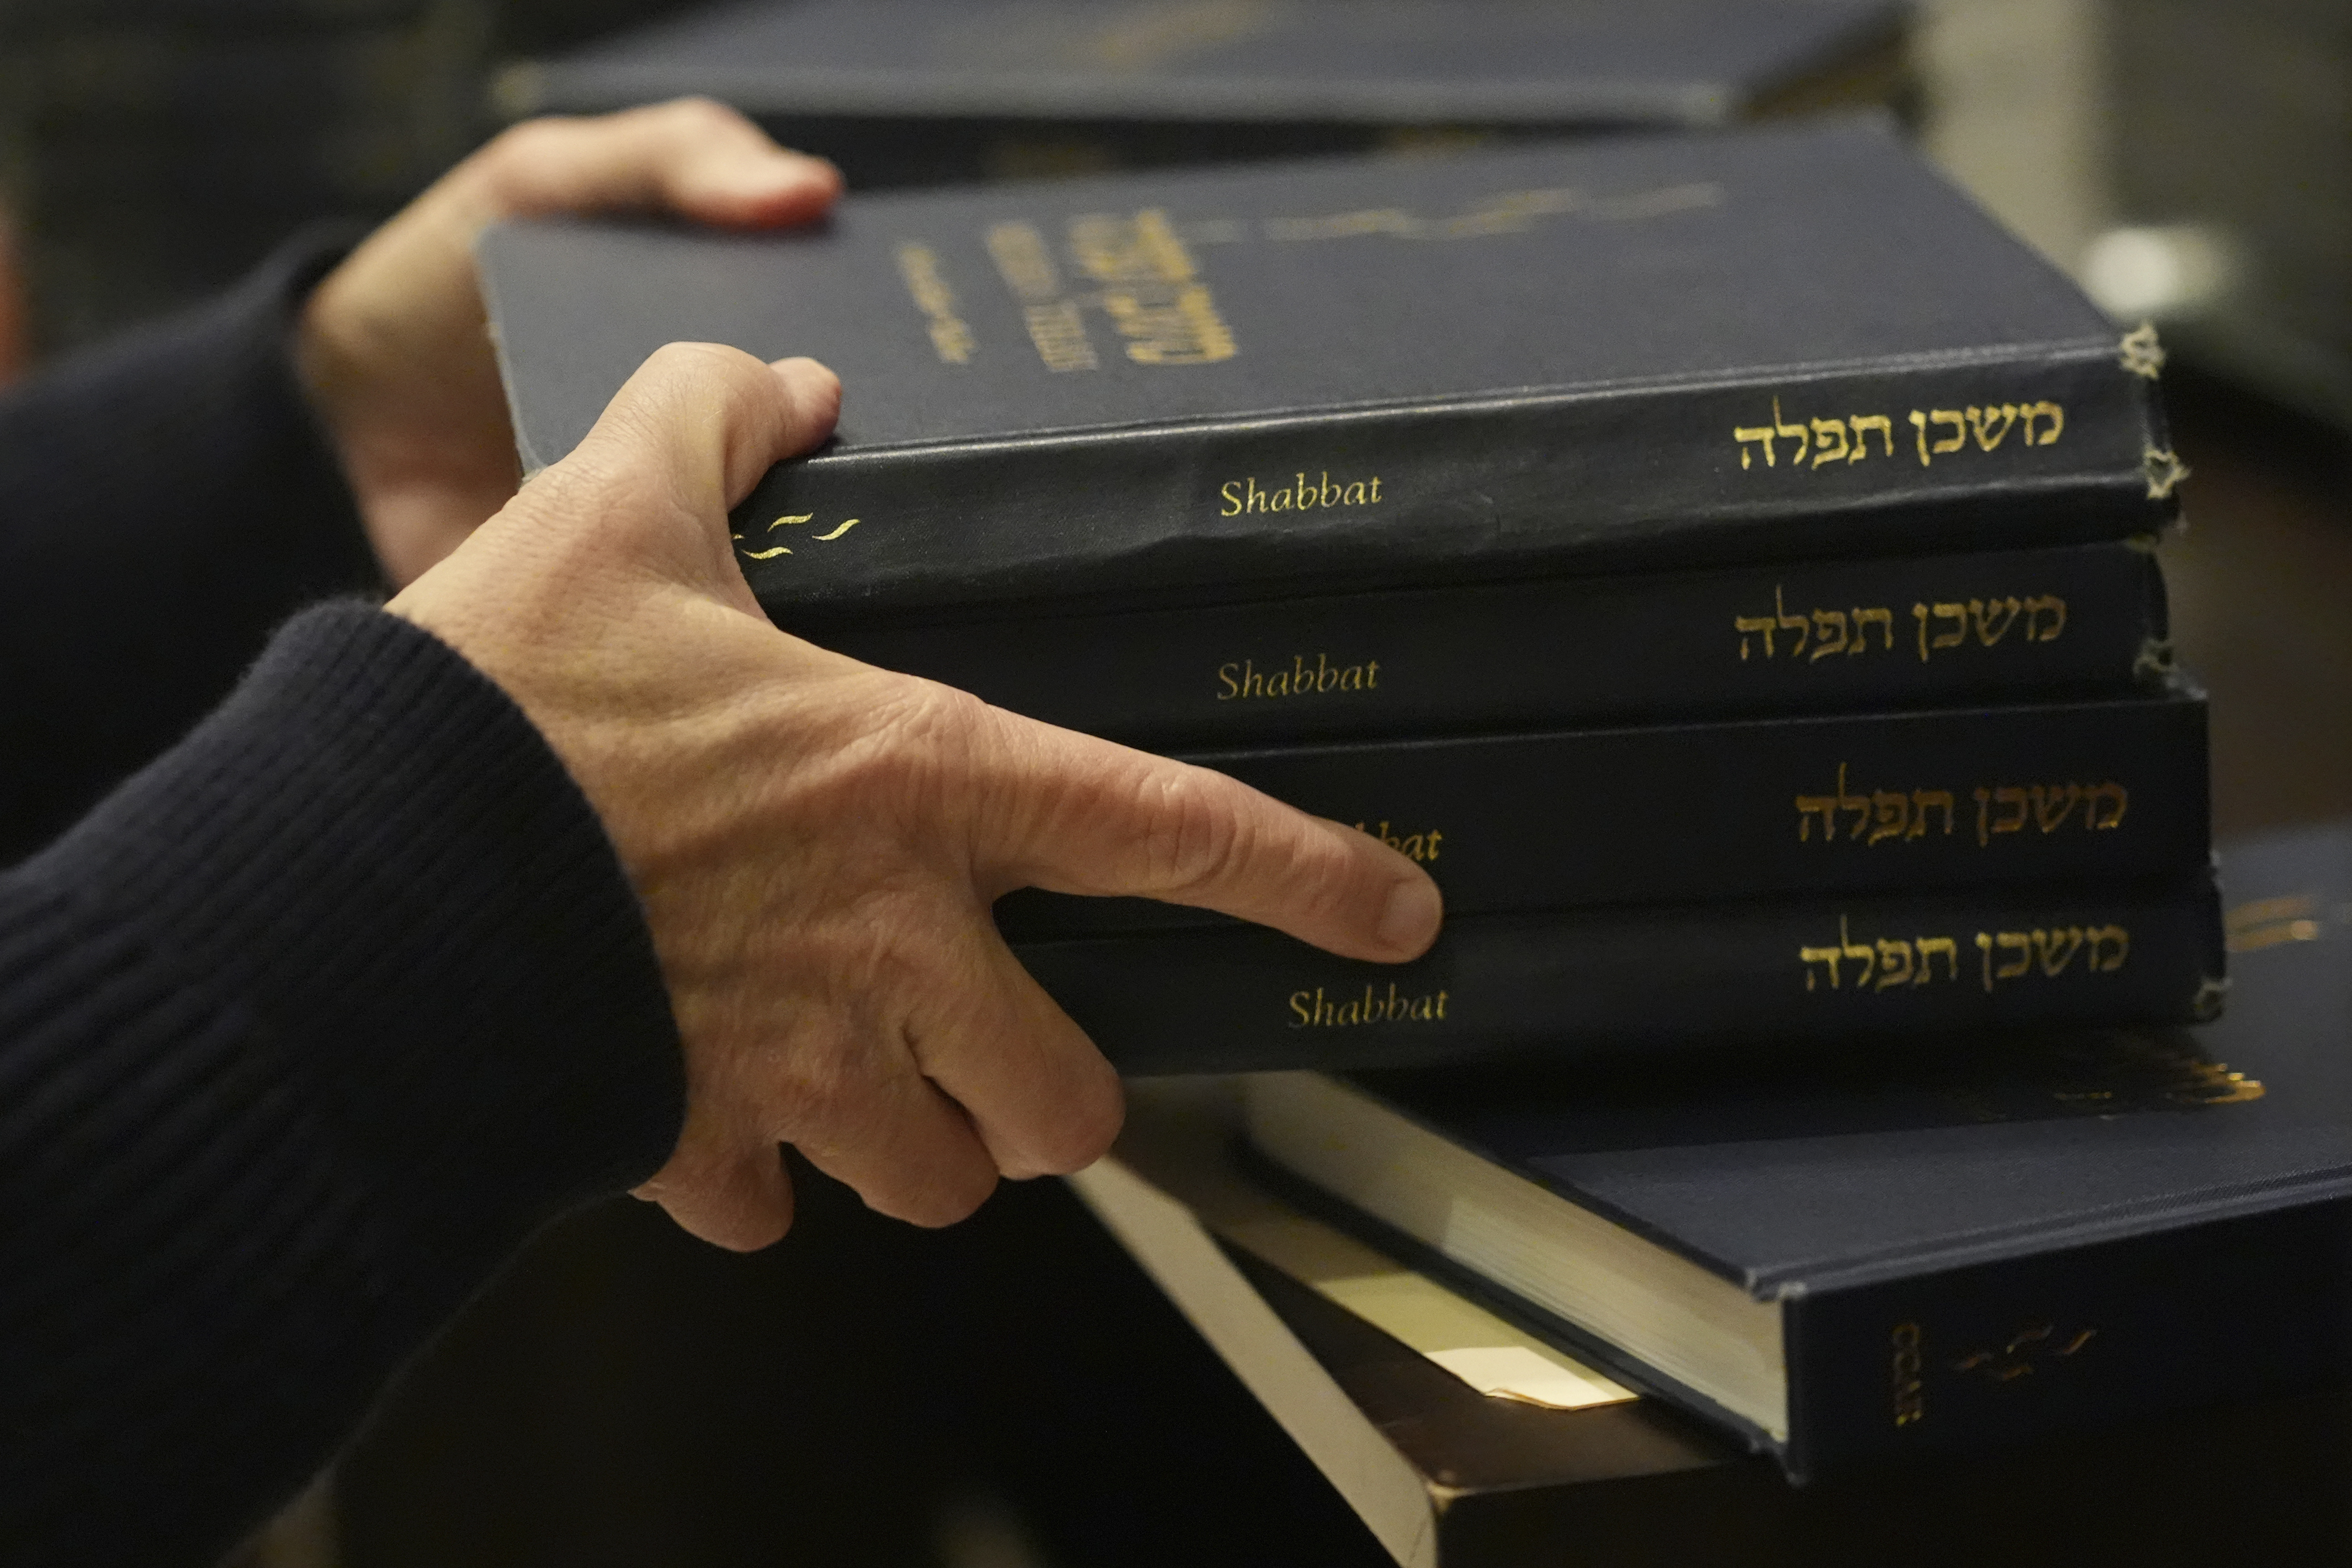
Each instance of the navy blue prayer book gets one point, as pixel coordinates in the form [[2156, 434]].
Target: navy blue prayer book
[[1850, 1256], [1324, 376]]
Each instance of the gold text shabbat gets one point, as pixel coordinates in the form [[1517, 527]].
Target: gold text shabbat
[[1315, 1010], [1296, 493], [1246, 680]]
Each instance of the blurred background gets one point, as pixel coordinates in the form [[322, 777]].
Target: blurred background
[[1011, 1394], [2190, 161]]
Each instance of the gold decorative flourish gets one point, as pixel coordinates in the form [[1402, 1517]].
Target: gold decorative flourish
[[792, 519], [2139, 352], [2018, 1356]]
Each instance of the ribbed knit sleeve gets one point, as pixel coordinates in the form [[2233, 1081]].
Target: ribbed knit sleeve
[[165, 500], [302, 1030]]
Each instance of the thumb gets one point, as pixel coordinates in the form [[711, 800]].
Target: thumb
[[704, 421]]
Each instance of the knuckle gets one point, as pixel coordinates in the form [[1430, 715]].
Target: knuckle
[[530, 145], [914, 736], [706, 359], [697, 114], [1194, 837], [1085, 1129], [946, 1199]]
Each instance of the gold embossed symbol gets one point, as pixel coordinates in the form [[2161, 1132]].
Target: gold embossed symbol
[[792, 521], [2033, 1344], [2139, 352], [2164, 470]]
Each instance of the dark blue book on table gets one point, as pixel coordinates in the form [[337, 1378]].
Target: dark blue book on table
[[1307, 378], [1130, 79], [1850, 1257]]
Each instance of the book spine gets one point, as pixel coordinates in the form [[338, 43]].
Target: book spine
[[1241, 999], [1784, 640], [2089, 793], [2228, 1309], [1975, 452]]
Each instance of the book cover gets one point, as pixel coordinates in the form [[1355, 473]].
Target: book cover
[[1648, 352], [1566, 986], [1949, 1249], [2108, 791], [1305, 64]]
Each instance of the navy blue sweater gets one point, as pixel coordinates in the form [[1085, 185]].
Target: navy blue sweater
[[305, 1025]]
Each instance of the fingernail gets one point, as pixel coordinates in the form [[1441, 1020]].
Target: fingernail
[[1409, 923]]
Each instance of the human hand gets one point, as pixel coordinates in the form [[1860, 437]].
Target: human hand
[[393, 346], [816, 842]]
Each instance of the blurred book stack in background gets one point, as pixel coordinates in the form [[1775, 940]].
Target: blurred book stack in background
[[929, 91], [2229, 147]]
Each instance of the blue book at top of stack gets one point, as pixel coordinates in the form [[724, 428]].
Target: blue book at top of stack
[[1654, 353]]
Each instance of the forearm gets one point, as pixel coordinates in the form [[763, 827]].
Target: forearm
[[301, 1032], [164, 502]]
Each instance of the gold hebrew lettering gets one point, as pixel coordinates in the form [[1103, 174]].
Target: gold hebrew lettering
[[1809, 803], [1956, 614], [1890, 815], [1809, 956], [1991, 424], [2011, 795], [1888, 952], [2050, 411], [1796, 432], [2054, 803], [1744, 434], [1800, 625], [1751, 626], [1862, 422], [2098, 814], [1828, 805], [2099, 938], [1857, 804], [1925, 800], [1861, 953], [1927, 947], [1994, 618], [2038, 606], [2022, 944], [1884, 620], [2055, 949], [1959, 424], [1822, 451], [1823, 620]]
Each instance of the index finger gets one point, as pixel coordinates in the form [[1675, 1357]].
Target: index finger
[[1071, 813]]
